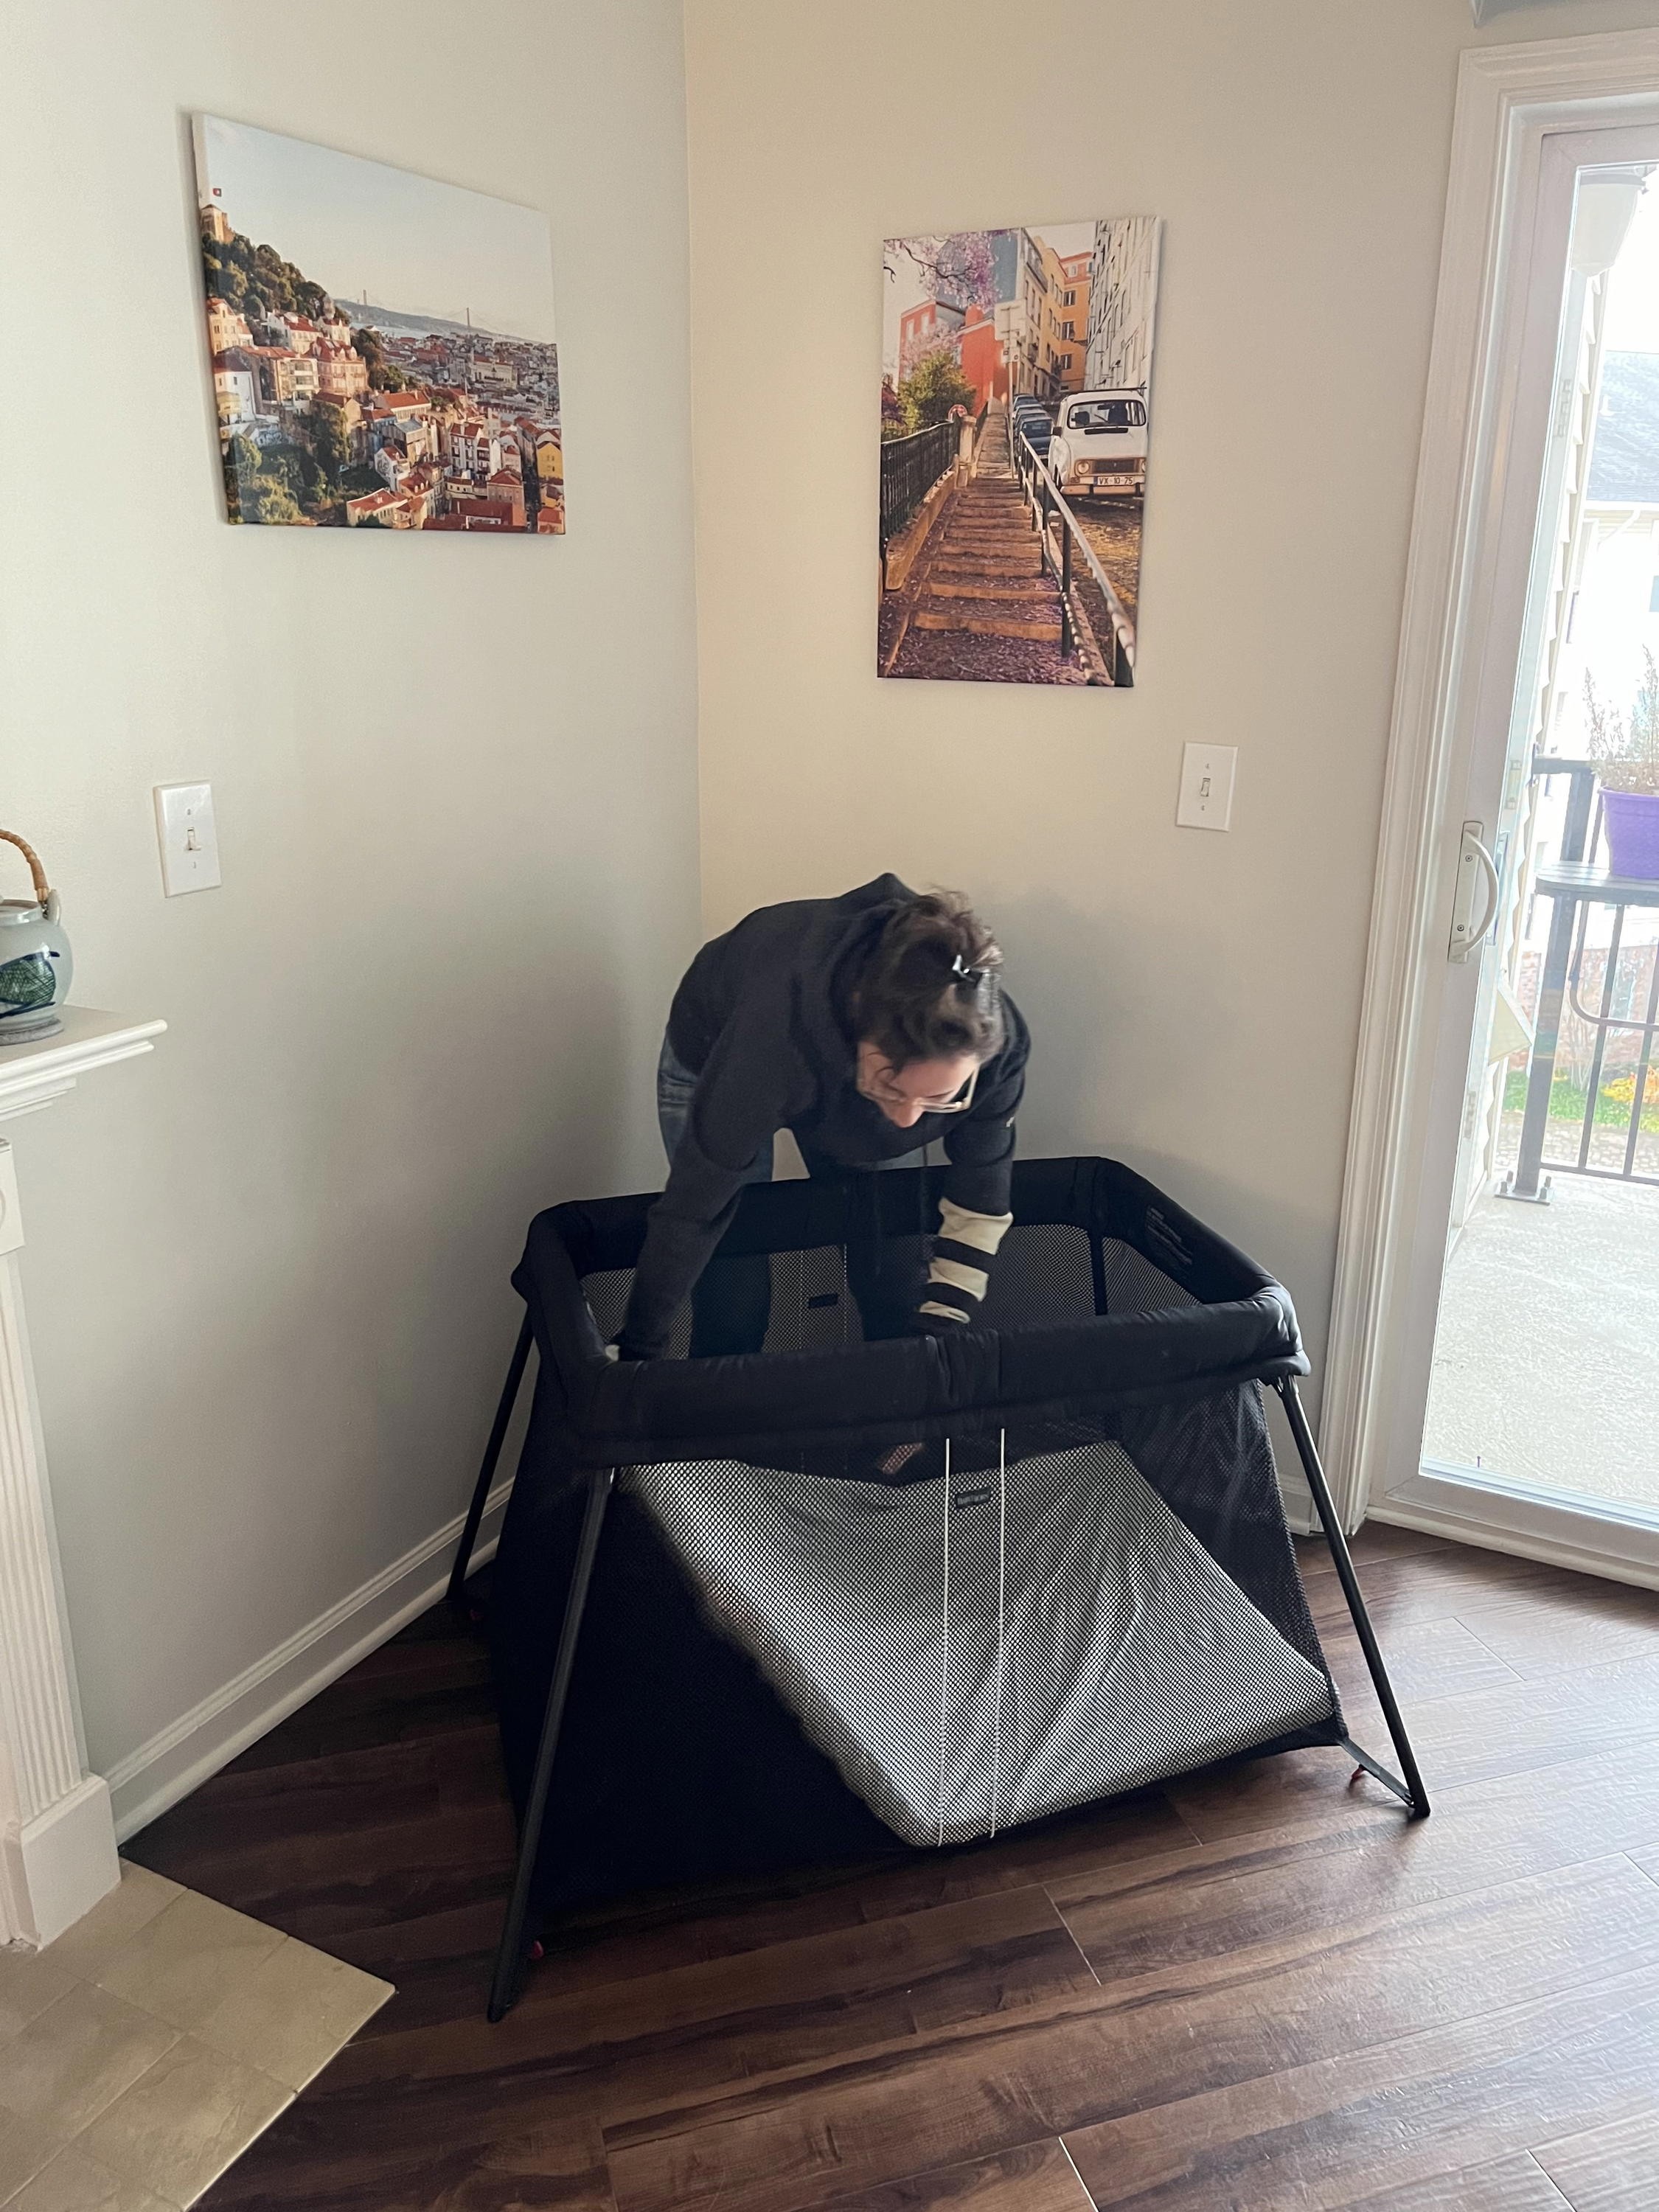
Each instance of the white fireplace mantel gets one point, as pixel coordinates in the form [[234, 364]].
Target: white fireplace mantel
[[57, 1836]]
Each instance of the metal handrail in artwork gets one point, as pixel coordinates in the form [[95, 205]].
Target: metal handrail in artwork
[[1108, 642]]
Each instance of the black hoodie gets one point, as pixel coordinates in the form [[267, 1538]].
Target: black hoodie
[[762, 1019]]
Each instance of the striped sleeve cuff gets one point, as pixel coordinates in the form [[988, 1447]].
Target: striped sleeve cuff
[[958, 1277]]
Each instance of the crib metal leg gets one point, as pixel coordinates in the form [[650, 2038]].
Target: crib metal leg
[[487, 1472], [510, 1952], [1411, 1789]]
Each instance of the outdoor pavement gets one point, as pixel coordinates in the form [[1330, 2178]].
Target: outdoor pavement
[[1546, 1363]]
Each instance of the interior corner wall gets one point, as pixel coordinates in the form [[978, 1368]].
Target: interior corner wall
[[1193, 997], [456, 789]]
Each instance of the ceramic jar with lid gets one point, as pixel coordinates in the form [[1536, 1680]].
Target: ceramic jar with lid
[[36, 967]]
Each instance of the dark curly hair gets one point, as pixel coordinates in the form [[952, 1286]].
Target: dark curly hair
[[931, 988]]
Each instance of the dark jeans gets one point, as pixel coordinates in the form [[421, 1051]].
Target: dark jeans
[[732, 1300]]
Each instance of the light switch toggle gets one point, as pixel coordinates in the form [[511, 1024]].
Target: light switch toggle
[[1206, 787], [188, 840]]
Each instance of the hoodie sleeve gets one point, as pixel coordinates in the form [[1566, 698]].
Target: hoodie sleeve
[[974, 1211], [735, 1111]]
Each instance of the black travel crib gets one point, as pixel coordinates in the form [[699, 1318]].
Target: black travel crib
[[836, 1598]]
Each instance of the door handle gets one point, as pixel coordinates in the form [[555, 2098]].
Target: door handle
[[1475, 866]]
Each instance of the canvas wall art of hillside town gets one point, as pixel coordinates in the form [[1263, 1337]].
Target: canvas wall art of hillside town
[[382, 344], [1016, 393]]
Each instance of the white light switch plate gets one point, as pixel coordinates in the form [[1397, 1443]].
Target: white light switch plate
[[1206, 787], [190, 842]]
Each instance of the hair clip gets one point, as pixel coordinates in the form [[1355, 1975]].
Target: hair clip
[[979, 977]]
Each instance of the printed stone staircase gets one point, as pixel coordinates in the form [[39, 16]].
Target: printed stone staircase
[[986, 575], [981, 610]]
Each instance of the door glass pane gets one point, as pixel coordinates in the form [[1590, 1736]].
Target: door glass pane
[[1546, 1358]]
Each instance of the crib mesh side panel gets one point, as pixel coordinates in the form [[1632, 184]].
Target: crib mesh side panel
[[811, 1308], [983, 1650], [1211, 1461]]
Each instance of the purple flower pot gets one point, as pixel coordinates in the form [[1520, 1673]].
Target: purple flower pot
[[1632, 818]]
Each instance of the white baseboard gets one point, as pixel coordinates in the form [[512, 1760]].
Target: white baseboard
[[1298, 1505], [1586, 1542], [181, 1757], [60, 1863]]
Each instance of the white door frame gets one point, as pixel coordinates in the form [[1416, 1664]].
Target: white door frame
[[1508, 98]]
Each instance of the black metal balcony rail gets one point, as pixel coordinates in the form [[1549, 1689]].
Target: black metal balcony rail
[[1607, 1026], [910, 467], [1574, 884], [1094, 621]]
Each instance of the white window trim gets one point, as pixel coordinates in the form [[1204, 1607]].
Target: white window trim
[[1508, 97]]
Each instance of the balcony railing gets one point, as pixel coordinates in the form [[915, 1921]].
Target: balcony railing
[[1623, 1025], [910, 467]]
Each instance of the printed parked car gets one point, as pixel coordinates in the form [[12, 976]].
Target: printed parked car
[[1099, 445], [1028, 418]]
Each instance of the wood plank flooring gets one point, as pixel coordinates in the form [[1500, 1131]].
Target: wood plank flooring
[[1256, 1990]]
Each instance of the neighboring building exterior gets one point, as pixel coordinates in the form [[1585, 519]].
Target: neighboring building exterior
[[548, 455], [342, 372], [1070, 312], [285, 379], [483, 518], [1612, 613], [402, 420], [1005, 262], [421, 492], [400, 407], [474, 449], [924, 328], [505, 492], [1122, 289], [1026, 369], [225, 327], [383, 506], [980, 351], [1065, 321], [234, 394]]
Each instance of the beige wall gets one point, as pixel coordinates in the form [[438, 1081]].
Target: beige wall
[[456, 790], [1194, 997]]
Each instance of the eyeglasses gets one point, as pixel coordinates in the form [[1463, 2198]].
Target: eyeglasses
[[882, 1087], [964, 1099]]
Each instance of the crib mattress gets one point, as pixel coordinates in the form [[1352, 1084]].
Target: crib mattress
[[990, 1648]]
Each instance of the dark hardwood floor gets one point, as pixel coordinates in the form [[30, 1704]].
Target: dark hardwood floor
[[1257, 1988]]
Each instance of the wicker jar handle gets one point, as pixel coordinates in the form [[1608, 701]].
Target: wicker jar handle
[[42, 889]]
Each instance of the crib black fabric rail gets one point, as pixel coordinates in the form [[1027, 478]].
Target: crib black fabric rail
[[1236, 1324]]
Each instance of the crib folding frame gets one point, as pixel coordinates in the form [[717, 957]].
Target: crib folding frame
[[1278, 1366]]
